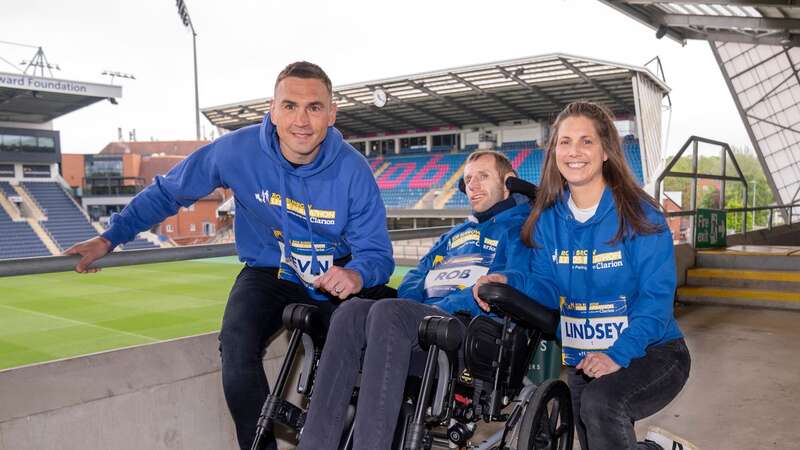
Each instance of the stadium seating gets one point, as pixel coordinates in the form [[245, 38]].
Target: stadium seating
[[407, 178], [18, 239], [65, 222], [138, 244], [7, 189], [634, 157]]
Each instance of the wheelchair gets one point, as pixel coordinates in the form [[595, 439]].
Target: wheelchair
[[471, 374]]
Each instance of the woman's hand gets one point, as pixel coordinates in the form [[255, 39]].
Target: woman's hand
[[597, 365], [492, 277]]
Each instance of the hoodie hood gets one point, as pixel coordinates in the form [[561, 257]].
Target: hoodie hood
[[330, 149], [604, 208]]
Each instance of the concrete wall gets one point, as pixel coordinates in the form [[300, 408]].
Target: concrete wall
[[160, 396], [684, 260], [782, 235]]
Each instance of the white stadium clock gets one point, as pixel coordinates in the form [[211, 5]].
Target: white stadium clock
[[379, 98]]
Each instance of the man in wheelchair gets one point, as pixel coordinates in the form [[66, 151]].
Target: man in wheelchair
[[380, 338]]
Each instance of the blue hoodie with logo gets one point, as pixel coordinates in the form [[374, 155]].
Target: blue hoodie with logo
[[321, 211], [613, 298], [445, 276]]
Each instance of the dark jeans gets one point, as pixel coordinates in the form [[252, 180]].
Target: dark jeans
[[607, 407], [252, 316], [386, 331]]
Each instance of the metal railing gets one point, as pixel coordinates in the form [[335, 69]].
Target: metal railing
[[48, 264], [785, 212]]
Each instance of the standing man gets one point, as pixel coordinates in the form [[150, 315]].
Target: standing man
[[310, 225]]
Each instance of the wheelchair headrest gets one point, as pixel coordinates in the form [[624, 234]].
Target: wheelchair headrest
[[524, 310], [515, 186]]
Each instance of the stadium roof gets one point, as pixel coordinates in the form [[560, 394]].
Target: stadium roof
[[772, 22], [527, 88], [757, 46], [31, 99]]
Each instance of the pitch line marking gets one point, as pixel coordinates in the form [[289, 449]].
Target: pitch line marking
[[50, 316]]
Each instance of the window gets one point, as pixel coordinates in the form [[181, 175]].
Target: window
[[103, 167], [208, 229], [31, 171], [27, 141], [170, 228], [192, 227]]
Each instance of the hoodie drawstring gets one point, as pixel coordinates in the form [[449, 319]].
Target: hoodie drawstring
[[315, 266], [287, 248]]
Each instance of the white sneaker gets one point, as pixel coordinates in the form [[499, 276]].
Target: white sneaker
[[667, 440]]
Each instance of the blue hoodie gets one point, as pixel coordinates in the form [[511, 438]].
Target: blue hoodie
[[333, 207], [445, 276], [614, 298]]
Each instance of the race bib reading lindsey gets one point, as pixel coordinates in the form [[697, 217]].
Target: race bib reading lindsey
[[455, 274], [590, 326]]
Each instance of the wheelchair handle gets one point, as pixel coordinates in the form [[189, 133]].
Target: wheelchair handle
[[306, 318], [447, 333], [519, 307]]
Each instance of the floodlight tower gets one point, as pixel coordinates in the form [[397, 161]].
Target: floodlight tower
[[187, 21]]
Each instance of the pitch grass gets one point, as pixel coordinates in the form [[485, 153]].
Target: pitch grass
[[59, 315]]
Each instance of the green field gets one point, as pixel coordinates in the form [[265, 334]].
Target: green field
[[59, 315]]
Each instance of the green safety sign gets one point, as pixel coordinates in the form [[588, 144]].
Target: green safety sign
[[709, 228]]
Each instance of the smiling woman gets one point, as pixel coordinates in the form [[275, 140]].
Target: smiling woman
[[599, 251]]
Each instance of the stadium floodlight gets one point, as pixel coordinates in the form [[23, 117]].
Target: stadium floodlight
[[183, 13], [115, 74], [661, 31]]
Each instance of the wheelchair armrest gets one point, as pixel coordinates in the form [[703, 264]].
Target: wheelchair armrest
[[306, 318], [519, 307]]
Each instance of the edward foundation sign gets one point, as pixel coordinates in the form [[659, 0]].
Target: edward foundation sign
[[27, 82]]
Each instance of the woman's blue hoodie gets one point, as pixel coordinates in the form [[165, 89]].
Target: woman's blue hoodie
[[322, 211], [613, 298]]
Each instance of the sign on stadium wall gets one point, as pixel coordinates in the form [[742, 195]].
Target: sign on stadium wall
[[28, 82]]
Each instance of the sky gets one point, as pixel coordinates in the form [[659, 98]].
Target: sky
[[243, 44]]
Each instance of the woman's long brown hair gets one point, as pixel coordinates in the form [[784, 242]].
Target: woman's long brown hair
[[628, 196]]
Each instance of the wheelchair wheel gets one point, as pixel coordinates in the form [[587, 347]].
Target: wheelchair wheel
[[547, 423]]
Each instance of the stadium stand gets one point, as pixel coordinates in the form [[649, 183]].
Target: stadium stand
[[65, 222], [19, 240], [6, 188], [526, 157], [630, 147], [403, 179]]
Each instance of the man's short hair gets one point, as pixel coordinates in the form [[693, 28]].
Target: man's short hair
[[306, 70], [501, 161]]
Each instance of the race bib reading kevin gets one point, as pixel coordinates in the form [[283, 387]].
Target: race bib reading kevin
[[296, 266], [590, 326]]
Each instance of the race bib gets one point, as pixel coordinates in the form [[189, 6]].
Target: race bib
[[590, 326], [455, 274], [299, 262]]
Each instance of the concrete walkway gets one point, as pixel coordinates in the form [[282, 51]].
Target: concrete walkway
[[744, 389]]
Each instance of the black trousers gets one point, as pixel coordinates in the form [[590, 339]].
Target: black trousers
[[607, 407], [253, 315]]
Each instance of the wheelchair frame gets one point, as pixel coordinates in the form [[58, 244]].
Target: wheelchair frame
[[495, 359]]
